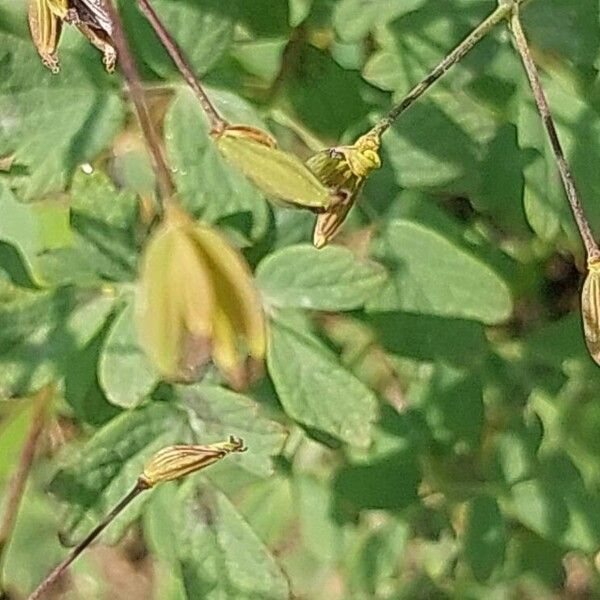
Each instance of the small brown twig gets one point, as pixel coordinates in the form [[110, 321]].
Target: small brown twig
[[501, 12], [127, 63], [139, 487], [217, 122], [585, 231], [16, 487]]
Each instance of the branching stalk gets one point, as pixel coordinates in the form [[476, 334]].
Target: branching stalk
[[161, 170], [217, 122], [501, 12], [54, 575], [585, 231]]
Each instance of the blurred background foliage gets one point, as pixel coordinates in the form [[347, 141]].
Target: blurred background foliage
[[427, 425]]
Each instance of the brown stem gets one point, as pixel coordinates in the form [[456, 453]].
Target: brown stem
[[585, 231], [217, 122], [51, 578], [501, 12], [127, 63], [16, 487]]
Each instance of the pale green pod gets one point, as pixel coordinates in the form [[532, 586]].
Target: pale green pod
[[175, 302], [590, 310], [197, 301], [280, 175]]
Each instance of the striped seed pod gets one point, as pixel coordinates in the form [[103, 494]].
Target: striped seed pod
[[46, 19], [45, 28], [280, 175], [590, 309], [178, 461]]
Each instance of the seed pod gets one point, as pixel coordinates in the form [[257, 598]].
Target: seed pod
[[45, 30], [93, 20], [590, 309], [280, 175], [46, 18], [197, 301], [343, 168], [175, 462]]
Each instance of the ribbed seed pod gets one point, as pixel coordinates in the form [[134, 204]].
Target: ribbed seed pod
[[280, 175], [45, 28], [590, 309], [345, 169], [197, 301], [46, 18], [178, 461]]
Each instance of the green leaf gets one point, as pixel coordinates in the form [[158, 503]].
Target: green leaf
[[320, 533], [18, 226], [41, 331], [353, 19], [124, 372], [545, 201], [485, 537], [204, 31], [51, 124], [454, 408], [261, 58], [430, 275], [108, 466], [548, 29], [324, 95], [557, 506], [316, 390], [329, 279], [216, 413], [376, 559], [103, 242], [299, 10], [429, 339], [208, 186], [388, 483], [201, 533], [82, 389]]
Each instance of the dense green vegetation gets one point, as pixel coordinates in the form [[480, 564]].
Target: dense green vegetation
[[426, 422]]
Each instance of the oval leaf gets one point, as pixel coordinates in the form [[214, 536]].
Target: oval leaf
[[330, 279], [430, 275]]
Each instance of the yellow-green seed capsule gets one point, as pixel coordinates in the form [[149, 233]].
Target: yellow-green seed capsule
[[280, 175], [590, 309], [343, 168], [197, 301], [178, 461]]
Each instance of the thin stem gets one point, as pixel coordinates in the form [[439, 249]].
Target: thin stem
[[16, 487], [501, 12], [127, 63], [585, 231], [217, 122], [139, 487]]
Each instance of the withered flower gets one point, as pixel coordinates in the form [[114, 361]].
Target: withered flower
[[46, 18], [345, 169], [197, 301], [175, 462], [280, 175], [590, 308]]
